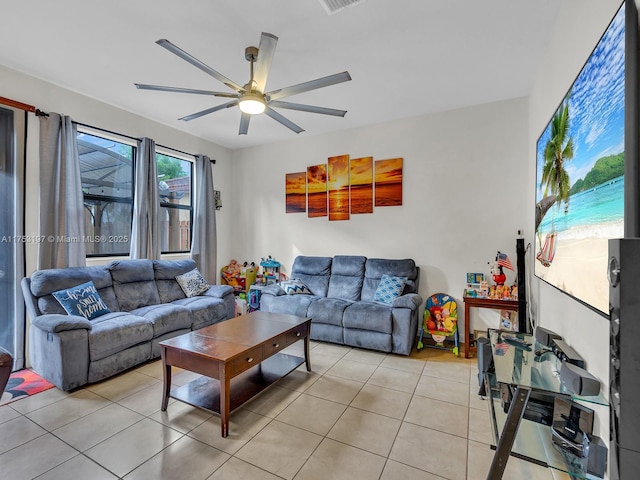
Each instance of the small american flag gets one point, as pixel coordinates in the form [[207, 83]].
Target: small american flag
[[504, 261]]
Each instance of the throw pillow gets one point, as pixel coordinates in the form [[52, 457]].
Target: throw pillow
[[389, 289], [192, 283], [295, 287], [82, 300]]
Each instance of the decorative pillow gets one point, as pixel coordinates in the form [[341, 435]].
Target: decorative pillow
[[192, 283], [389, 289], [82, 300], [295, 287]]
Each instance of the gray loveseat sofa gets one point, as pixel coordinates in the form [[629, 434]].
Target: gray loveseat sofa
[[147, 306], [341, 304]]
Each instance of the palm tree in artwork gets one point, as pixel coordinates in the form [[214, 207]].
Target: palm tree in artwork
[[559, 149]]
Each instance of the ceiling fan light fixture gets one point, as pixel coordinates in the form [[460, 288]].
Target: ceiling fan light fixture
[[252, 103]]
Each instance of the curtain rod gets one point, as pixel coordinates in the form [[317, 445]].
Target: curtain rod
[[39, 113], [15, 104], [136, 139]]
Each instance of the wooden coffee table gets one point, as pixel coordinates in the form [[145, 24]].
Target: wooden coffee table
[[245, 348]]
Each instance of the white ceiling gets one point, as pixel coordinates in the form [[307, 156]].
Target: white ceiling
[[406, 57]]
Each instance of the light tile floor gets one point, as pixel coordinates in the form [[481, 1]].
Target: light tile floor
[[359, 415]]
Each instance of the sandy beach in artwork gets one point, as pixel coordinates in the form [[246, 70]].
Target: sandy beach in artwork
[[580, 264]]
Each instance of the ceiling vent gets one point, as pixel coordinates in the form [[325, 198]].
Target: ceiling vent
[[334, 6]]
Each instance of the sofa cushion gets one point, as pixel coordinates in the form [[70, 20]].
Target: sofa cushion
[[295, 287], [389, 288], [368, 316], [117, 331], [347, 275], [376, 267], [314, 273], [288, 304], [134, 283], [165, 272], [328, 310], [192, 283], [45, 282], [204, 310], [82, 300], [165, 317]]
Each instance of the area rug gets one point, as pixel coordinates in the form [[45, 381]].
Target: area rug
[[23, 383]]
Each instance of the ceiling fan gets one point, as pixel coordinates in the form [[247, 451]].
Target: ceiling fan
[[251, 97]]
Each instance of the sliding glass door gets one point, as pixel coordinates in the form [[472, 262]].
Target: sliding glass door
[[12, 241]]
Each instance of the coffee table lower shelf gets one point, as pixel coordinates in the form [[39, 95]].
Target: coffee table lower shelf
[[204, 392]]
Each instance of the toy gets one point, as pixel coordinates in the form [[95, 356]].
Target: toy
[[440, 320], [497, 273]]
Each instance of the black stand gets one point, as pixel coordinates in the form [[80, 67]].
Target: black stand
[[523, 325]]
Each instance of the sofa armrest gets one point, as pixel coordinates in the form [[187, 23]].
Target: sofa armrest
[[273, 289], [408, 300], [218, 291], [56, 322]]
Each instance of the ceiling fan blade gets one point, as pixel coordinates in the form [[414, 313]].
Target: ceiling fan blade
[[308, 108], [283, 120], [163, 42], [310, 85], [193, 116], [162, 88], [244, 123], [266, 50]]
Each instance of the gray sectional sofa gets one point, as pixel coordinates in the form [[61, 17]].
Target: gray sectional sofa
[[146, 303], [341, 304]]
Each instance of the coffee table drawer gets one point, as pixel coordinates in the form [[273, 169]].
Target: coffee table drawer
[[276, 345], [298, 333], [247, 360]]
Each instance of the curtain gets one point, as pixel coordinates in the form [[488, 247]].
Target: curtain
[[145, 230], [61, 216], [204, 247]]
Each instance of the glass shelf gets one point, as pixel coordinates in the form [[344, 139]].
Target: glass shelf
[[521, 367]]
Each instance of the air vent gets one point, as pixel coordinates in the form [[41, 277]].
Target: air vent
[[334, 6]]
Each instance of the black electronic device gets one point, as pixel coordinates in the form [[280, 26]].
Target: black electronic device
[[517, 342], [624, 375], [571, 423], [545, 337], [566, 353], [596, 452], [577, 380], [485, 362]]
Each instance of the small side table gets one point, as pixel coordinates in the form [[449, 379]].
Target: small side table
[[482, 302]]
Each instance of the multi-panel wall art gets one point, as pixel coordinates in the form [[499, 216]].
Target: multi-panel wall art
[[344, 187]]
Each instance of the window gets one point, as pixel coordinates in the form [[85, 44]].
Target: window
[[106, 170], [176, 202]]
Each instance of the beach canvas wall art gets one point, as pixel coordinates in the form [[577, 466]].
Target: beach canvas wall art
[[388, 182], [361, 185], [338, 185], [580, 176], [296, 192], [317, 191]]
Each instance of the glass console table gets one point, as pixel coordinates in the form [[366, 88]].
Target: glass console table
[[524, 383]]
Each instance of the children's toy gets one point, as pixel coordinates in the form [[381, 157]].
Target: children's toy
[[440, 320], [270, 270]]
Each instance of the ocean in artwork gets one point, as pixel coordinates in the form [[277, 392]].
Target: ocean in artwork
[[590, 213]]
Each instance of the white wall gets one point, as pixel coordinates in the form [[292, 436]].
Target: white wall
[[82, 109], [580, 25], [464, 198]]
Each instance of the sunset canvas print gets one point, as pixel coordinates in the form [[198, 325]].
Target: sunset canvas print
[[361, 189], [317, 190], [296, 192], [388, 182], [338, 184]]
